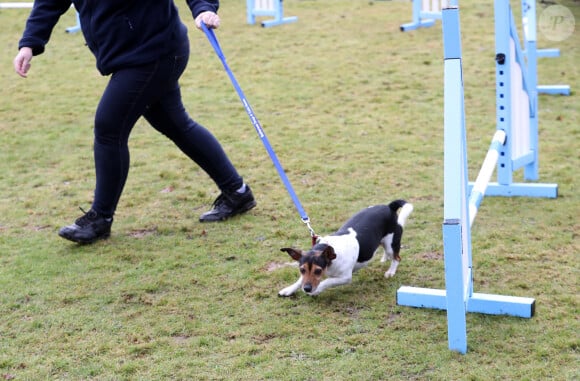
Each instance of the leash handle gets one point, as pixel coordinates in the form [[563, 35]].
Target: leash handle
[[216, 46], [213, 41]]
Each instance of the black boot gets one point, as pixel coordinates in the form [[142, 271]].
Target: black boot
[[88, 228], [228, 204]]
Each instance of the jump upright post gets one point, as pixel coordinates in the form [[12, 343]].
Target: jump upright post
[[268, 8], [460, 209]]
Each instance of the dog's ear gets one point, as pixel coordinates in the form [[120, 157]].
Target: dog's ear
[[294, 253], [329, 253]]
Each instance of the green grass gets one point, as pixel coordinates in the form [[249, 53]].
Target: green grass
[[353, 109]]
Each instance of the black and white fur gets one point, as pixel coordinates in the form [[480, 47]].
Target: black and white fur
[[333, 259]]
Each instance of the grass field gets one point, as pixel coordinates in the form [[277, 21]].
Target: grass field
[[354, 111]]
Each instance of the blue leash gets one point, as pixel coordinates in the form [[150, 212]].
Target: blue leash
[[214, 43]]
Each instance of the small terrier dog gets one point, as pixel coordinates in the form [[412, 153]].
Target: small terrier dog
[[351, 248]]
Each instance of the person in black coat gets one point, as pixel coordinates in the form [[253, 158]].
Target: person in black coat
[[143, 46]]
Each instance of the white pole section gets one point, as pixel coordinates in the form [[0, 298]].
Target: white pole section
[[480, 185], [15, 5]]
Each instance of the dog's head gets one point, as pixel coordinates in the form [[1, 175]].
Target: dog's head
[[312, 264]]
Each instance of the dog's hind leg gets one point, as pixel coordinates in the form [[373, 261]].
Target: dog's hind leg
[[392, 242], [386, 243], [392, 245]]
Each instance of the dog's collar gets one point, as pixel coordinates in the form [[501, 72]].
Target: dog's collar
[[320, 246]]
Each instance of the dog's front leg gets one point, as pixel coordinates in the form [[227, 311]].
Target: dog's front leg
[[290, 290], [330, 282]]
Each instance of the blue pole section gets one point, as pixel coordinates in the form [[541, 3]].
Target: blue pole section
[[250, 18], [455, 226], [503, 88], [454, 284]]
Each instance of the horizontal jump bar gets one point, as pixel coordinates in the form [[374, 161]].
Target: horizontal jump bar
[[480, 185]]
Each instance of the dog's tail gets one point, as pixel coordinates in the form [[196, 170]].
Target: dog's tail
[[406, 209]]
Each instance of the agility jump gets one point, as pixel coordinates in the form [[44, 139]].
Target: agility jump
[[425, 12], [267, 8], [510, 147]]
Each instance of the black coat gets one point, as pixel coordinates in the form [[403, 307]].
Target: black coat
[[120, 33]]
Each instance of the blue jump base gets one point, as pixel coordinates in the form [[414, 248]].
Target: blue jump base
[[489, 304], [277, 12], [541, 190]]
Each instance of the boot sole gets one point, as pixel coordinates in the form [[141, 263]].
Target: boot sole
[[246, 207], [83, 241]]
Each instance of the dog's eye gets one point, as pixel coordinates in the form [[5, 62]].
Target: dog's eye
[[318, 272], [302, 270]]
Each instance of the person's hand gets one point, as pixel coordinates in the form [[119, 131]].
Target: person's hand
[[210, 19], [22, 61]]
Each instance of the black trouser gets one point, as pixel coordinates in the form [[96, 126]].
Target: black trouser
[[151, 91]]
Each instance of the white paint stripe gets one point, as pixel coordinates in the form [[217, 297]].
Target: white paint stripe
[[15, 5], [486, 171]]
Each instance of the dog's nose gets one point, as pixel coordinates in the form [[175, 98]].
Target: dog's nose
[[307, 287]]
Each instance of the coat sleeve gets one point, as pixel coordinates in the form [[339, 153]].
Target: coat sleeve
[[43, 17], [198, 6]]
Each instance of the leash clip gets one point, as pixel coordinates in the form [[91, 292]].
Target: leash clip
[[312, 233]]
